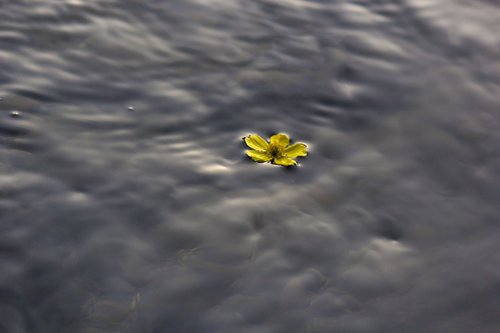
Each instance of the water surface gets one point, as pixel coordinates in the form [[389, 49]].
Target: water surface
[[127, 204]]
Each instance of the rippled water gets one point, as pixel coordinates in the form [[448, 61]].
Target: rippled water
[[127, 204]]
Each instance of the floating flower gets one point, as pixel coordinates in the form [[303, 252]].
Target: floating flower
[[277, 151]]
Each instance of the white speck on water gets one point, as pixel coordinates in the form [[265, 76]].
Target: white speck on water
[[15, 114], [131, 108]]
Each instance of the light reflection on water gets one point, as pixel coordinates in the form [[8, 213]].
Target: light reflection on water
[[151, 219]]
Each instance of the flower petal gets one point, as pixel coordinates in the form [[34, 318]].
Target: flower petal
[[256, 142], [295, 150], [285, 161], [258, 156], [280, 139]]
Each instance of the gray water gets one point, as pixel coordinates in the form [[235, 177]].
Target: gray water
[[127, 203]]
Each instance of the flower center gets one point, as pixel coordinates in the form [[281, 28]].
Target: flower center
[[276, 151]]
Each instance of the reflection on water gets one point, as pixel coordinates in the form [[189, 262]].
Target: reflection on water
[[127, 204]]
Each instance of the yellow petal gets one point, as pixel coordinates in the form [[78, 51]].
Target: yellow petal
[[258, 156], [295, 150], [280, 139], [285, 161], [256, 142]]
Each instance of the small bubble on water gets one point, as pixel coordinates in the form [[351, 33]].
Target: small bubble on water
[[15, 114], [131, 108]]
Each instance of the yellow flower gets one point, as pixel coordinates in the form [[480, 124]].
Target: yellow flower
[[277, 151]]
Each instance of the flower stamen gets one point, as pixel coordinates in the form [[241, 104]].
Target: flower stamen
[[276, 151]]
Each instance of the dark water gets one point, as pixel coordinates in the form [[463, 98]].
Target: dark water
[[127, 204]]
